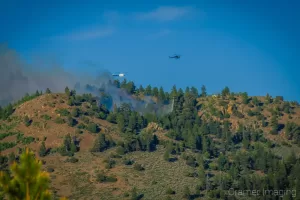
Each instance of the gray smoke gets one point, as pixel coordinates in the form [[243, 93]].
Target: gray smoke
[[18, 78], [109, 95]]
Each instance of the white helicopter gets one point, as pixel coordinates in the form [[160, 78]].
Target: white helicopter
[[119, 74]]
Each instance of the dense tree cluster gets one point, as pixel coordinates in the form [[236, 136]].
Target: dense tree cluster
[[6, 112], [145, 141], [69, 147], [102, 143], [292, 132]]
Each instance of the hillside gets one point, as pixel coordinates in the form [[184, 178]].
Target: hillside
[[204, 147]]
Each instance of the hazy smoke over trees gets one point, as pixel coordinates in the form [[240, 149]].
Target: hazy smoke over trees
[[18, 78]]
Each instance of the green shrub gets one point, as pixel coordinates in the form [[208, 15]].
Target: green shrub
[[120, 150], [24, 140], [59, 120], [72, 160], [50, 169], [46, 117], [227, 115], [170, 191], [75, 112], [4, 135], [28, 140], [81, 126], [138, 167], [128, 162], [78, 131], [93, 128], [110, 164], [7, 145], [84, 119], [223, 103], [71, 121], [102, 178], [63, 112], [27, 121]]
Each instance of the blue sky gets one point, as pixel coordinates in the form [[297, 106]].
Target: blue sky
[[250, 46]]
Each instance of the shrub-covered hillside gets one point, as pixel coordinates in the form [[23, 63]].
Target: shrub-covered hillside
[[206, 147]]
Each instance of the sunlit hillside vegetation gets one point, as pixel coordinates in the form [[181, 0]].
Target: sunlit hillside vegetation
[[206, 146]]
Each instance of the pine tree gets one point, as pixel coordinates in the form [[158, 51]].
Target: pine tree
[[274, 124], [27, 121], [148, 90], [161, 94], [255, 101], [167, 155], [75, 112], [245, 98], [264, 123], [67, 91], [73, 93], [28, 182], [291, 160], [203, 91], [100, 144], [174, 92], [186, 193], [231, 96], [194, 91], [200, 161], [66, 147], [134, 194], [91, 127], [1, 112], [132, 122], [48, 91], [155, 92], [130, 87], [268, 99], [70, 102], [71, 122], [141, 89], [7, 111], [116, 83], [121, 122], [225, 92], [43, 150], [246, 140], [37, 93], [123, 83], [73, 148], [201, 174], [222, 161]]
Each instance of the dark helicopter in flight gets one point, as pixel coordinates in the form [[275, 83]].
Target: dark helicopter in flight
[[175, 56]]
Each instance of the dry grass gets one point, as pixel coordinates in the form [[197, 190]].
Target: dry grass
[[77, 180], [158, 175]]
